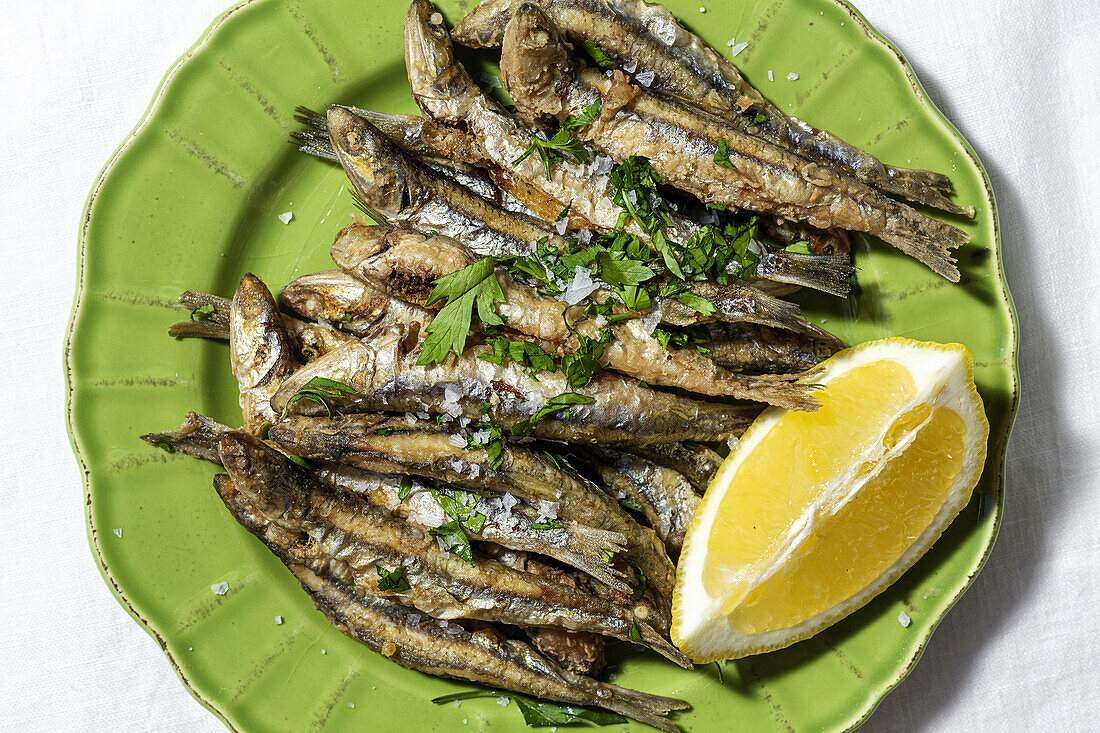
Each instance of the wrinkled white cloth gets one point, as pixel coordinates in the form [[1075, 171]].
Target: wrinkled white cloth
[[1018, 78]]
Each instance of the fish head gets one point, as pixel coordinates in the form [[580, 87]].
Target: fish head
[[381, 174], [360, 248], [535, 62], [354, 364], [260, 352], [337, 297], [270, 482], [483, 27], [439, 84]]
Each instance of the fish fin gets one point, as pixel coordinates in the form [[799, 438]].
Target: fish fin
[[197, 436], [827, 273]]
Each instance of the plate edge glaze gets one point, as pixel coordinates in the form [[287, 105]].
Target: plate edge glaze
[[994, 462]]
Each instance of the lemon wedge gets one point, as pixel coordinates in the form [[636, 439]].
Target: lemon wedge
[[815, 513]]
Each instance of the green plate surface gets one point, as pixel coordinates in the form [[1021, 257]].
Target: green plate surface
[[191, 200]]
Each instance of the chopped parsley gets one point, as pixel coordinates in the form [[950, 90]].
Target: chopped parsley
[[203, 312], [559, 402], [392, 579], [681, 338], [545, 524], [598, 55], [320, 390], [635, 633], [631, 504], [460, 507], [722, 155], [759, 118], [524, 353], [639, 586], [562, 143], [404, 488]]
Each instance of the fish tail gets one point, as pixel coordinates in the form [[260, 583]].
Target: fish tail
[[827, 273], [588, 546], [658, 643], [775, 389], [197, 436]]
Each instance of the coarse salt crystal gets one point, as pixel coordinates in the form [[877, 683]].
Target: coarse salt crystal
[[600, 321], [903, 619], [436, 19], [792, 76], [323, 651], [702, 9], [118, 532], [652, 320], [451, 393], [584, 236], [771, 75], [548, 509], [351, 705], [457, 440], [645, 78], [734, 50], [286, 216], [561, 226], [580, 287], [424, 415], [631, 66], [219, 589], [603, 165], [278, 620]]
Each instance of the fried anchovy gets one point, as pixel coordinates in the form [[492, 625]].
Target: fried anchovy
[[633, 351], [406, 263], [576, 651], [349, 303], [419, 138], [384, 372], [509, 522], [401, 189], [310, 339], [647, 40], [197, 437], [260, 352], [362, 537], [471, 651], [447, 94], [355, 440], [694, 461], [685, 146], [663, 495], [745, 347]]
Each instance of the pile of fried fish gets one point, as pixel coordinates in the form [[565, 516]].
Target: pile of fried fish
[[479, 442]]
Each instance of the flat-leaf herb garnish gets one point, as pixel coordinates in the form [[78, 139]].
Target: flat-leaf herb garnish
[[392, 579], [562, 143], [722, 155], [490, 437], [545, 524], [320, 390], [474, 287], [540, 713], [635, 633], [631, 504], [404, 488], [460, 507], [558, 402], [531, 356], [598, 55], [203, 312]]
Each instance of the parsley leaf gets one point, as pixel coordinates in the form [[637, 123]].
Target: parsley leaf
[[562, 143], [541, 713], [384, 431], [392, 579], [404, 488], [559, 402], [474, 286], [455, 540], [492, 441], [545, 524], [320, 390], [525, 353], [597, 54], [722, 155], [635, 633], [631, 504], [759, 118], [202, 312]]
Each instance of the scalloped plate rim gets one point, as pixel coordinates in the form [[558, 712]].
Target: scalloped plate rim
[[995, 462]]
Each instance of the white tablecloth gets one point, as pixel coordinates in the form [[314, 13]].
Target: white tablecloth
[[1017, 77]]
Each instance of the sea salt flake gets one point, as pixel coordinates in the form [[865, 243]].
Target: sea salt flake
[[457, 440], [220, 589], [903, 619], [286, 216], [734, 50], [561, 226], [771, 75], [118, 532], [323, 651], [351, 705], [278, 620], [548, 509], [580, 287], [584, 236], [792, 76], [645, 78], [503, 700], [603, 165], [631, 66]]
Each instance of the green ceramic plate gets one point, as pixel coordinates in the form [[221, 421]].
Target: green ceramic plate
[[192, 199]]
